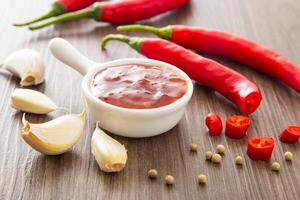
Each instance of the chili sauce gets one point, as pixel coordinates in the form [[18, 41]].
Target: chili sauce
[[138, 86]]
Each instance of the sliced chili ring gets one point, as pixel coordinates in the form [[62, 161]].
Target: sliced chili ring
[[214, 124], [290, 135], [237, 126], [260, 148]]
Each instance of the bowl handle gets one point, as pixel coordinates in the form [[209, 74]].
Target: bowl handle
[[66, 53]]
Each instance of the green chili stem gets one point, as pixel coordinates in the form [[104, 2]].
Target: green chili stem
[[56, 10], [86, 13], [45, 16], [135, 27], [110, 37], [133, 42], [164, 32]]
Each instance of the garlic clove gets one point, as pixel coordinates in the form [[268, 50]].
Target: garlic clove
[[111, 156], [56, 136], [28, 65], [31, 101]]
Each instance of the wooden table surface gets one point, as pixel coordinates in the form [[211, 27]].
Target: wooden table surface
[[27, 174]]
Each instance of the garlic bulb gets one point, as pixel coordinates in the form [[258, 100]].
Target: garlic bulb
[[28, 65], [111, 156], [56, 136], [31, 101]]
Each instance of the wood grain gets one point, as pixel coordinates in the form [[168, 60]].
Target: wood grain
[[26, 174]]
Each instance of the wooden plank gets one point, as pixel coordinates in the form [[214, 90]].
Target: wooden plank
[[26, 174]]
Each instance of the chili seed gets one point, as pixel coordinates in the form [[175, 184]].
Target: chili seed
[[239, 160], [216, 158], [288, 156], [152, 173], [169, 180], [275, 166], [202, 179], [220, 148], [193, 147], [208, 155]]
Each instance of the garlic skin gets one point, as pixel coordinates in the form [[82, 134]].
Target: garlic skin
[[28, 65], [111, 156], [31, 101], [56, 136]]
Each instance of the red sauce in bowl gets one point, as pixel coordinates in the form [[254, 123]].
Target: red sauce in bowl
[[138, 86]]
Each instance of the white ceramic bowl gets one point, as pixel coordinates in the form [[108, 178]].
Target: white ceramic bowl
[[122, 121]]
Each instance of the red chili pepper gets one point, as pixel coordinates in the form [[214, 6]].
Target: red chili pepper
[[227, 45], [290, 135], [237, 126], [60, 7], [214, 124], [260, 148], [119, 12], [234, 86]]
